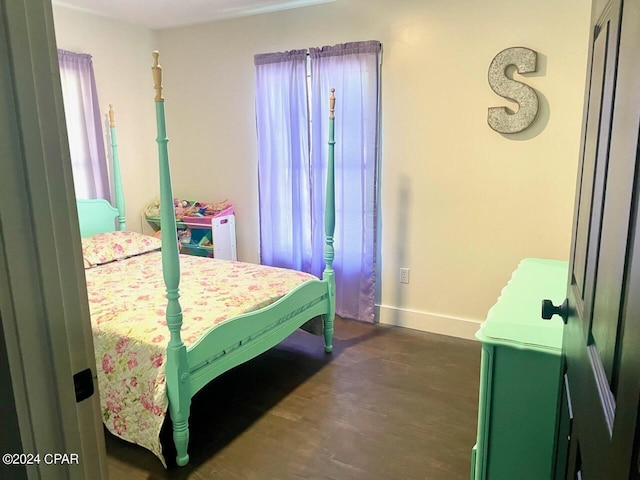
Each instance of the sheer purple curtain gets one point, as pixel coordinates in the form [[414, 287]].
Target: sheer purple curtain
[[84, 127], [353, 70], [282, 122], [292, 168]]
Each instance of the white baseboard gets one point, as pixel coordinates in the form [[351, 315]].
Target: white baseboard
[[427, 322]]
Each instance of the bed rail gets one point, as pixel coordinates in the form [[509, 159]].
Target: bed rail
[[243, 338]]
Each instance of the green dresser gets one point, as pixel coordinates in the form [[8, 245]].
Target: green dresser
[[520, 377]]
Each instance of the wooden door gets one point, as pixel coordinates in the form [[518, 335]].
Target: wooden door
[[46, 359], [603, 315]]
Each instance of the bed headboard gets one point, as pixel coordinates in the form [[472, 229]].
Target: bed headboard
[[97, 215]]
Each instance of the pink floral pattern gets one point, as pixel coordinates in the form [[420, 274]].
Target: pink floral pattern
[[127, 303], [109, 246]]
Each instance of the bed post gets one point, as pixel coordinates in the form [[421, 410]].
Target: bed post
[[176, 367], [329, 226], [117, 178]]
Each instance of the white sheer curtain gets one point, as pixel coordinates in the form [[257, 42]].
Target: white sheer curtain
[[282, 123], [353, 70], [84, 128]]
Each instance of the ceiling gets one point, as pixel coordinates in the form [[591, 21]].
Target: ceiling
[[158, 14]]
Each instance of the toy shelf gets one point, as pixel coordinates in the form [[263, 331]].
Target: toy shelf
[[210, 236]]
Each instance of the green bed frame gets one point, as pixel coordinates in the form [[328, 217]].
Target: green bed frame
[[239, 339]]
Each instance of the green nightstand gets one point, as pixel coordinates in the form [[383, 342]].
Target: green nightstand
[[520, 377]]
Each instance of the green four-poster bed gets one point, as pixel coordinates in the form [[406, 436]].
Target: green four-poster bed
[[157, 344]]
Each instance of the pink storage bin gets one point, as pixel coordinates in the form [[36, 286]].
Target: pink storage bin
[[206, 219]]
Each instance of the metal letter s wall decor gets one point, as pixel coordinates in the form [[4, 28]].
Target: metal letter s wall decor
[[524, 59]]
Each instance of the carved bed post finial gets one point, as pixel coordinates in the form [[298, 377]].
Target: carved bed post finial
[[157, 76], [112, 122], [332, 104]]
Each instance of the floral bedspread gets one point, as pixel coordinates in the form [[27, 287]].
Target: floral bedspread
[[127, 304]]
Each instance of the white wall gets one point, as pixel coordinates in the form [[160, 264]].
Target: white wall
[[461, 204], [122, 62]]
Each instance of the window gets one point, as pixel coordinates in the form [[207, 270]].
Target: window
[[292, 126], [82, 114]]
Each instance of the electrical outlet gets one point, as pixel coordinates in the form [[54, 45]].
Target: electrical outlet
[[404, 275]]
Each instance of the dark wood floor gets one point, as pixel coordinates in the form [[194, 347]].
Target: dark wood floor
[[389, 403]]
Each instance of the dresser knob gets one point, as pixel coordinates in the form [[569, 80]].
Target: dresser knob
[[549, 310]]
